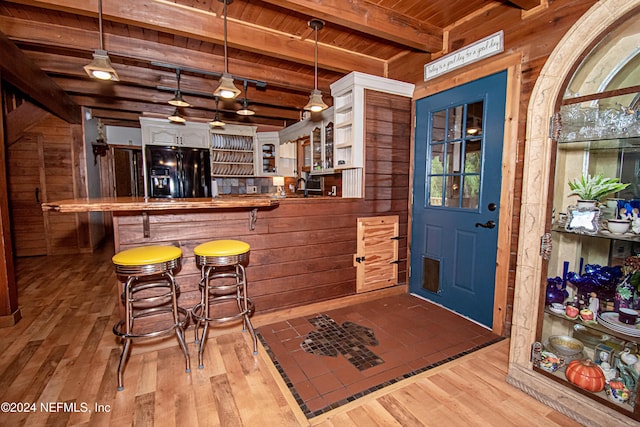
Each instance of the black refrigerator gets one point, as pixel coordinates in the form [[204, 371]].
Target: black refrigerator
[[175, 172]]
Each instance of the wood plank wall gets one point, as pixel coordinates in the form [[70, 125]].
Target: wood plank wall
[[301, 251], [63, 179]]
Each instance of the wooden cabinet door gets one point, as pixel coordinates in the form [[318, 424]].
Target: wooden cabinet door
[[26, 192], [377, 256]]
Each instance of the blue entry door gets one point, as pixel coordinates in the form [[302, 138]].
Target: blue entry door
[[456, 196]]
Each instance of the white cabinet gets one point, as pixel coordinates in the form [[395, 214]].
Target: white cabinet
[[267, 153], [349, 114], [288, 158], [314, 138], [232, 150], [161, 132], [321, 150]]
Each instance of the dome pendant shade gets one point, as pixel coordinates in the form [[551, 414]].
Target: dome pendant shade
[[100, 68], [176, 117], [315, 103], [216, 122], [178, 101], [226, 89]]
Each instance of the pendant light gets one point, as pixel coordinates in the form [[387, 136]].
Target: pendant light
[[226, 89], [177, 97], [245, 111], [176, 117], [100, 68], [216, 122], [316, 103]]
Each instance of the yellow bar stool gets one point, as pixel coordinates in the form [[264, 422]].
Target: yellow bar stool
[[150, 291], [223, 289]]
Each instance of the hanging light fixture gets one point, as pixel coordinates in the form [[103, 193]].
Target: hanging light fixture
[[316, 103], [176, 117], [226, 89], [245, 111], [100, 68], [216, 122], [177, 97]]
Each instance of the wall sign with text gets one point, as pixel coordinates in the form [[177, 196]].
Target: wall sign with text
[[481, 49]]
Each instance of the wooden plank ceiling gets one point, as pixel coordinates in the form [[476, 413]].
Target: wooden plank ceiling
[[268, 41]]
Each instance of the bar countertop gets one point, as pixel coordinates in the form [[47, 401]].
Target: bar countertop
[[118, 204]]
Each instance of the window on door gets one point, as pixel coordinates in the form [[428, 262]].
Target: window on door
[[455, 155]]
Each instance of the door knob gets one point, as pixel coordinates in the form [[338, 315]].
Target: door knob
[[488, 224]]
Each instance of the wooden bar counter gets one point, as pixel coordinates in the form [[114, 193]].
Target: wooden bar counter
[[119, 204], [302, 249]]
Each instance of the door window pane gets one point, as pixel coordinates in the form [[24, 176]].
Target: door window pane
[[452, 199], [455, 122], [438, 128], [435, 191], [471, 191], [455, 154]]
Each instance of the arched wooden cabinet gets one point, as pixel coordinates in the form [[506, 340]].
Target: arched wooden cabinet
[[593, 75]]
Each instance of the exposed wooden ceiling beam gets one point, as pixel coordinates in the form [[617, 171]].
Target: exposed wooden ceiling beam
[[526, 4], [30, 32], [202, 25], [21, 72], [372, 19]]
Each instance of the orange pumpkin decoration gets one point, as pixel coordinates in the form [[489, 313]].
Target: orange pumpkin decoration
[[586, 375]]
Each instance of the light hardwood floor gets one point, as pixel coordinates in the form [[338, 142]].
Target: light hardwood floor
[[63, 353]]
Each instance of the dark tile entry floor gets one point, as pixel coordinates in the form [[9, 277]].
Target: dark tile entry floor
[[361, 348]]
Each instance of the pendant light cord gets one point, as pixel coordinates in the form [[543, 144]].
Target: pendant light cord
[[226, 59], [315, 82], [100, 23]]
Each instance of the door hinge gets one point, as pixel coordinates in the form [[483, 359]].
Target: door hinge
[[359, 259], [555, 127], [546, 246], [396, 237]]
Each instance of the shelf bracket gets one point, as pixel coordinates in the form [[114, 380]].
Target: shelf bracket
[[146, 231], [253, 217]]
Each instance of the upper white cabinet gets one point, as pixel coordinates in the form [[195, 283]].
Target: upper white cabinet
[[162, 132], [312, 140], [267, 153], [232, 151], [349, 114]]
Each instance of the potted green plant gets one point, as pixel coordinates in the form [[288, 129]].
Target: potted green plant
[[592, 188]]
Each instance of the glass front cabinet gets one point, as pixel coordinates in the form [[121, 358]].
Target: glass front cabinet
[[588, 331]]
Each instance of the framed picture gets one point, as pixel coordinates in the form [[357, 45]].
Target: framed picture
[[603, 353], [582, 220]]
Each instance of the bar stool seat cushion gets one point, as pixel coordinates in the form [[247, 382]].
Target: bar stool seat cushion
[[146, 255], [221, 248]]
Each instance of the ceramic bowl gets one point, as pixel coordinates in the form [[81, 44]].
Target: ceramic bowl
[[550, 362], [565, 345], [616, 391], [588, 336], [618, 226], [628, 316]]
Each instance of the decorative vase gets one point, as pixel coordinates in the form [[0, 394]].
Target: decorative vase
[[626, 295], [587, 204]]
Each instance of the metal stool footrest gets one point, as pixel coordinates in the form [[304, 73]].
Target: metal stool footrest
[[198, 315], [182, 323]]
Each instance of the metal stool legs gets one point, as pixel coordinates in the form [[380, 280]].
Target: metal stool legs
[[138, 307], [216, 294]]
